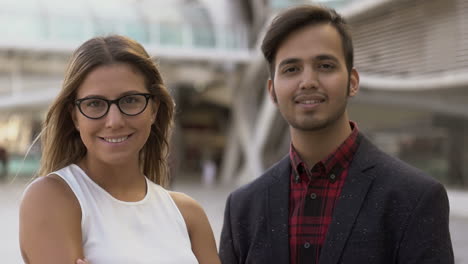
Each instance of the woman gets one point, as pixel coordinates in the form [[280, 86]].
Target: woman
[[104, 152]]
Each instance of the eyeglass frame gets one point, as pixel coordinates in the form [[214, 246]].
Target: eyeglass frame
[[77, 102]]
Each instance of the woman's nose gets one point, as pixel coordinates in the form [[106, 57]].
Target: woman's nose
[[114, 117]]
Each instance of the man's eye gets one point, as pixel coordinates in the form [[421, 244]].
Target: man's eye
[[326, 66], [290, 69]]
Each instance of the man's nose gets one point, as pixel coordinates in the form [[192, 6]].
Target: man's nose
[[309, 79]]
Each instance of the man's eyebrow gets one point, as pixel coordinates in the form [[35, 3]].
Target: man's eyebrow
[[326, 57], [288, 61], [317, 58]]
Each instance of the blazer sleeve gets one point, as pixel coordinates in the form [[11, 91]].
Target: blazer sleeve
[[427, 237], [226, 245]]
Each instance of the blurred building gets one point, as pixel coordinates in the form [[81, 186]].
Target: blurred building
[[411, 55]]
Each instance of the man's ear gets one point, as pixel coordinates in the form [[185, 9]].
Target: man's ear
[[271, 90], [353, 83]]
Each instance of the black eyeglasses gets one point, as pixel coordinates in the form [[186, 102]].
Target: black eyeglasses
[[96, 107]]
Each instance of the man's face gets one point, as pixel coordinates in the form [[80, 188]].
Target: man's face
[[311, 84]]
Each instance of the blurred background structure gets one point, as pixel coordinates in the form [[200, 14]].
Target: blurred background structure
[[197, 44], [412, 56]]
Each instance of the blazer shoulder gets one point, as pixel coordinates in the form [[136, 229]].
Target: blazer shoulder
[[394, 168], [387, 167]]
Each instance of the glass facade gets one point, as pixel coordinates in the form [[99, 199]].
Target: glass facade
[[279, 4], [163, 22]]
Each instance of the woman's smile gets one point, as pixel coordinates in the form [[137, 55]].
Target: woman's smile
[[116, 139]]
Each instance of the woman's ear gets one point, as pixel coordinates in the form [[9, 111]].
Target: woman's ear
[[155, 107], [72, 112]]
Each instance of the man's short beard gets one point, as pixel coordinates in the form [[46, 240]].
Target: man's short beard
[[315, 126]]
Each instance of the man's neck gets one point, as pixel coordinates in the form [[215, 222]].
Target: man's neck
[[313, 146]]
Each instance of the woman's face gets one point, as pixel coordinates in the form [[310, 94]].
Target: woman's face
[[115, 138]]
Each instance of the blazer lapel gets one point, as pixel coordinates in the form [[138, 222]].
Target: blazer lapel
[[278, 212], [349, 204]]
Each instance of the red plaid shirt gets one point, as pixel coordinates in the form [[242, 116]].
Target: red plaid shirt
[[312, 197]]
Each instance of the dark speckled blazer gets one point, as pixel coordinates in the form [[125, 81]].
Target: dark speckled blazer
[[388, 212]]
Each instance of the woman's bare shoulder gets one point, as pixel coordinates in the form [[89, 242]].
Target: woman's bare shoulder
[[188, 206], [200, 232], [51, 198], [50, 210], [49, 190]]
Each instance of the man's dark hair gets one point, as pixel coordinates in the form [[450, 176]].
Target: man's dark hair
[[296, 18]]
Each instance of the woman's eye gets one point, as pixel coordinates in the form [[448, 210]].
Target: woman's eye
[[94, 103], [130, 99]]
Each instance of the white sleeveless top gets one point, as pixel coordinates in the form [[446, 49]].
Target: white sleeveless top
[[150, 231]]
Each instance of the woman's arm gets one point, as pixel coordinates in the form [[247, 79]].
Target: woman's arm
[[50, 223], [201, 235]]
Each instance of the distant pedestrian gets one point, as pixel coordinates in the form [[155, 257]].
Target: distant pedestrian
[[4, 160], [208, 172]]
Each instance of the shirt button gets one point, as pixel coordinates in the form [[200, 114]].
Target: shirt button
[[306, 245], [313, 196], [332, 177]]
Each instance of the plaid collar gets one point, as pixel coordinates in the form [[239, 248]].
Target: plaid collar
[[334, 163]]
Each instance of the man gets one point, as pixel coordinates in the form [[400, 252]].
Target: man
[[335, 198]]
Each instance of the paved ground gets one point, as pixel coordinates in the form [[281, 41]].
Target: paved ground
[[212, 199]]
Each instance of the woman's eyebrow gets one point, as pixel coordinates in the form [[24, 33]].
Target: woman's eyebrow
[[120, 95]]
